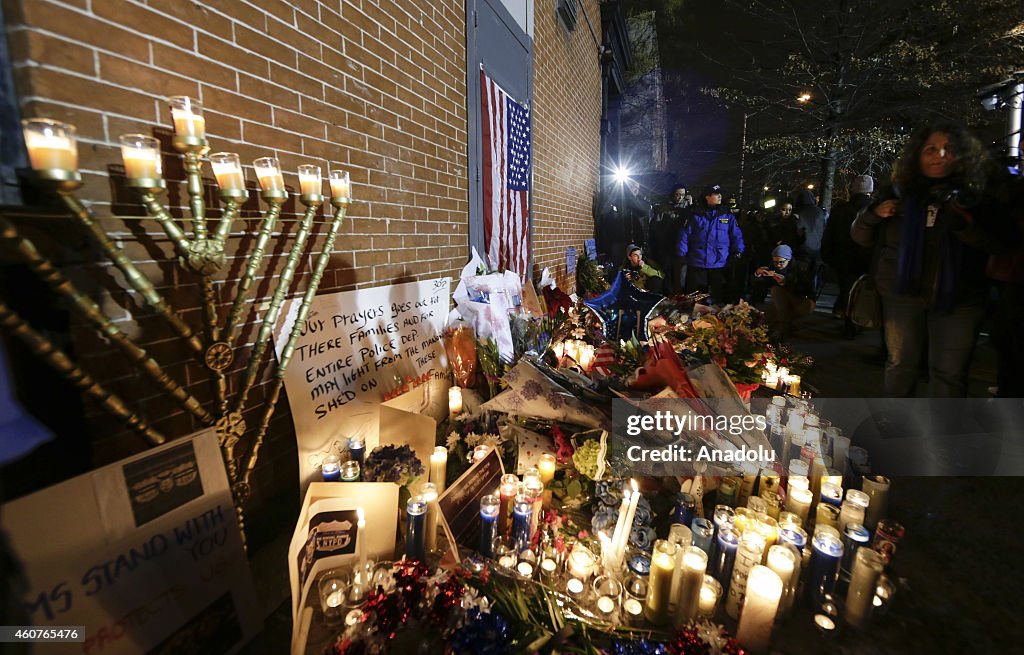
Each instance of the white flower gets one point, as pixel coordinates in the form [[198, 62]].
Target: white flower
[[472, 439], [453, 439], [492, 440]]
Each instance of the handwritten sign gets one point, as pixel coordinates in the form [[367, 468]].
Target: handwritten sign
[[355, 347], [591, 247], [145, 553], [570, 260], [460, 502]]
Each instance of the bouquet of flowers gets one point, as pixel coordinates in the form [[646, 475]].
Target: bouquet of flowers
[[736, 338], [392, 463]]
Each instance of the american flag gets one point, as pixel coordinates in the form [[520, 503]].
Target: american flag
[[506, 179]]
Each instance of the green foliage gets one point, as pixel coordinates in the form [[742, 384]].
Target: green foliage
[[589, 276]]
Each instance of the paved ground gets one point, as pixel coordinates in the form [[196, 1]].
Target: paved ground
[[960, 566]]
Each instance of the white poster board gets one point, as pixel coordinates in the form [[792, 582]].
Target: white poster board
[[356, 347], [145, 553]]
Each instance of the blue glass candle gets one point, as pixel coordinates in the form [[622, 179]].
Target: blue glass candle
[[703, 533], [826, 554], [794, 536], [490, 506], [356, 449], [855, 535], [686, 508], [725, 555], [331, 468], [416, 532], [522, 515]]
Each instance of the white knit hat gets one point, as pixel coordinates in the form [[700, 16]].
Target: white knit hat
[[862, 184]]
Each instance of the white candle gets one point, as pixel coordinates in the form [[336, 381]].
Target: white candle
[[454, 401], [581, 562], [361, 543], [605, 605], [50, 144], [695, 564], [309, 180], [682, 537], [141, 156], [634, 500], [228, 171], [789, 595], [548, 566], [799, 502], [546, 466], [867, 568], [506, 561], [764, 590], [268, 172], [877, 489], [783, 560], [429, 492], [574, 587], [439, 468], [617, 534], [659, 585], [710, 592], [340, 187], [525, 569], [354, 617]]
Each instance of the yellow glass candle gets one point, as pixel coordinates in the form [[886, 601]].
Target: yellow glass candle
[[710, 594], [187, 114], [659, 586], [825, 514], [268, 172], [51, 144], [454, 401], [341, 188], [228, 170], [141, 157], [743, 519], [695, 565], [309, 180], [764, 590], [546, 466]]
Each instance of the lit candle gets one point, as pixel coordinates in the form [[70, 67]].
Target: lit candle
[[855, 536], [867, 568], [758, 504], [507, 491], [533, 489], [695, 565], [228, 170], [764, 591], [310, 183], [428, 491], [826, 553], [361, 543], [799, 503], [268, 172], [506, 561], [850, 512], [341, 190], [787, 519], [620, 522], [703, 532], [525, 570], [331, 468], [743, 518], [490, 505], [357, 449], [686, 508], [332, 595], [794, 536], [454, 401], [141, 156], [659, 586], [784, 560], [749, 555], [585, 357], [831, 493], [682, 537], [634, 500], [439, 468], [575, 587], [728, 487], [479, 452], [350, 471], [546, 465], [51, 144], [606, 607], [710, 593], [877, 489], [634, 609], [353, 617], [548, 567], [826, 514], [581, 562], [522, 513], [725, 554], [415, 544], [825, 625], [187, 115]]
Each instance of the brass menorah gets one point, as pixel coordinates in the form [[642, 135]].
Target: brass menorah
[[201, 250]]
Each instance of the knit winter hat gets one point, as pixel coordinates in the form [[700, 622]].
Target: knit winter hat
[[862, 184], [783, 251], [631, 248]]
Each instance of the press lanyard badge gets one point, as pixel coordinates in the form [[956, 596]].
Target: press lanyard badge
[[933, 212]]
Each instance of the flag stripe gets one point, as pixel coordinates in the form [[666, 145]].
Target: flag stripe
[[506, 174]]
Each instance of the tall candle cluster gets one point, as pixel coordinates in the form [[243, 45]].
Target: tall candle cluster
[[52, 149]]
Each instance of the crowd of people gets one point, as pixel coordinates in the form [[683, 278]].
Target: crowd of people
[[941, 241]]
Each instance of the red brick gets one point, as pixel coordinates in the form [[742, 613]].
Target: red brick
[[225, 52], [144, 21]]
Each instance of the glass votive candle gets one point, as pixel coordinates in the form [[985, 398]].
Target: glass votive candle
[[826, 619], [341, 188], [310, 183], [330, 468], [703, 532], [479, 452], [354, 616], [743, 518], [350, 471], [773, 502], [332, 597], [227, 168], [608, 592], [757, 504], [827, 514], [884, 592], [581, 562], [710, 597], [187, 114], [548, 570], [546, 465], [51, 145], [787, 519], [455, 400], [576, 588], [524, 570], [141, 157], [357, 449], [831, 493], [268, 172]]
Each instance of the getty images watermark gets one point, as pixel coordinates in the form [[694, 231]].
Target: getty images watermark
[[669, 422]]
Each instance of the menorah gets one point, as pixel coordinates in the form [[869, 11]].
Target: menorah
[[53, 155]]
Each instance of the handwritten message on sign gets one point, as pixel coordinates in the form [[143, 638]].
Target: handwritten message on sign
[[355, 347]]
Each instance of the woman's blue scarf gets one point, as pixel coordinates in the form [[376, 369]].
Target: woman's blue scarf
[[910, 265]]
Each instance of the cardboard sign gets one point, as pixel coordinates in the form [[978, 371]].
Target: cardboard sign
[[460, 502], [591, 247], [356, 346], [145, 553]]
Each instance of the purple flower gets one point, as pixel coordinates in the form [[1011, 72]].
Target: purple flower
[[531, 390]]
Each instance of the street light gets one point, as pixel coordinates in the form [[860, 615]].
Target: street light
[[1009, 95]]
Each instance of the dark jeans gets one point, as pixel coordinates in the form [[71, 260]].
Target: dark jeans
[[910, 326], [785, 309], [712, 280]]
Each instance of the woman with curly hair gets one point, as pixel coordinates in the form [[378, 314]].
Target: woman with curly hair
[[932, 242]]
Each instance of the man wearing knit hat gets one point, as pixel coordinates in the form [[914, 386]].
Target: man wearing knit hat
[[792, 291], [847, 258], [709, 241]]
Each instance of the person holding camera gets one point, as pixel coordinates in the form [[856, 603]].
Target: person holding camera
[[791, 290], [640, 273], [933, 233]]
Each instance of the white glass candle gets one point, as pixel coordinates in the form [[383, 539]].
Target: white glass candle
[[341, 189], [877, 489], [659, 585], [840, 446], [581, 562], [268, 172], [764, 590], [429, 492], [454, 401], [439, 468], [710, 594], [695, 565], [228, 170], [783, 560], [799, 503], [187, 115], [867, 568], [525, 570], [850, 512], [575, 587], [50, 144], [546, 466], [141, 156], [361, 542], [748, 555], [682, 537], [310, 183]]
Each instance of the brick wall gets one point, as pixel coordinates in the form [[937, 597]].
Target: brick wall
[[373, 87], [566, 136]]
